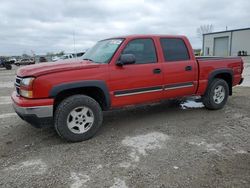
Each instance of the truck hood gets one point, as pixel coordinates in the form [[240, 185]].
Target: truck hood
[[52, 67]]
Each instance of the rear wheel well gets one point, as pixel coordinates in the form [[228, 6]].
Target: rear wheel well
[[94, 92], [228, 78]]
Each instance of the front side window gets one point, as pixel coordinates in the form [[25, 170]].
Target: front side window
[[142, 49], [174, 49], [103, 51]]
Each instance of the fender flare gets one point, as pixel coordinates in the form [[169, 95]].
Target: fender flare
[[214, 73], [82, 84]]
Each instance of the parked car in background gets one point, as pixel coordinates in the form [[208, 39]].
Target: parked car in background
[[68, 56], [25, 61], [55, 58], [5, 64], [12, 60], [42, 59]]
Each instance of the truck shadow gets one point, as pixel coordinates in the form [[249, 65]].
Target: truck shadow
[[154, 113], [135, 117]]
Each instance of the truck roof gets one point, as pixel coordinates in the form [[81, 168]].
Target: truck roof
[[148, 36]]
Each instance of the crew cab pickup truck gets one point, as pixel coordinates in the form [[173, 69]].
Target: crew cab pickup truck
[[118, 72]]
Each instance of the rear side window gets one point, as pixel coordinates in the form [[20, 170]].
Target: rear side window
[[174, 49], [142, 49]]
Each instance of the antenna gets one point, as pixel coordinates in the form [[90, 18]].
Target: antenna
[[74, 42]]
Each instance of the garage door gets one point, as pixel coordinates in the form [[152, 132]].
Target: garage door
[[221, 46]]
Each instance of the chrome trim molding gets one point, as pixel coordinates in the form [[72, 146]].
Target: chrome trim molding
[[39, 111], [139, 92], [178, 87], [152, 89]]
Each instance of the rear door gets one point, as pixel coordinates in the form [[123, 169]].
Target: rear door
[[140, 82], [179, 69]]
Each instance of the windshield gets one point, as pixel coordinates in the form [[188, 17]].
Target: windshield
[[103, 51]]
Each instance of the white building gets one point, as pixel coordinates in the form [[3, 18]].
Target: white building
[[227, 43]]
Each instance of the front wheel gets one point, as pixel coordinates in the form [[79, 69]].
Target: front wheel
[[78, 118], [216, 95]]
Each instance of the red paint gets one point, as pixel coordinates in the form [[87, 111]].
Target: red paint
[[129, 76], [23, 102]]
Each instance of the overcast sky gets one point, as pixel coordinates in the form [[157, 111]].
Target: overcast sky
[[48, 25]]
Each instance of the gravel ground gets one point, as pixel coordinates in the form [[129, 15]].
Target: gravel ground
[[158, 145]]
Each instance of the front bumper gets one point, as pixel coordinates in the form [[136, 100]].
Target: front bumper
[[37, 116], [39, 111]]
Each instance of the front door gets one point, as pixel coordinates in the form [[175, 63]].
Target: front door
[[139, 82]]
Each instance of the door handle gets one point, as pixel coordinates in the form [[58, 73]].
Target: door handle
[[188, 68], [157, 71]]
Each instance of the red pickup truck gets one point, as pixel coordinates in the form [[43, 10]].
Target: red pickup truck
[[117, 72]]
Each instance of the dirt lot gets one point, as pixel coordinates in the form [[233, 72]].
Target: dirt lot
[[159, 145]]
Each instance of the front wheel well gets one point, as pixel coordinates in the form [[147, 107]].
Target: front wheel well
[[94, 92]]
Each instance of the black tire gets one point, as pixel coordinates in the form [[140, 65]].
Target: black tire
[[208, 98], [65, 108], [8, 67]]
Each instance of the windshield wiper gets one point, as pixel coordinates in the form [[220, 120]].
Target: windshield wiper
[[91, 60], [88, 59]]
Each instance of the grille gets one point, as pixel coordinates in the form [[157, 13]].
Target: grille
[[17, 84]]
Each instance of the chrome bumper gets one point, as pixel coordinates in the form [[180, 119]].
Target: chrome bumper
[[38, 111]]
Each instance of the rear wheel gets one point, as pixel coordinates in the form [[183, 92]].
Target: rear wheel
[[78, 118], [216, 95], [8, 67]]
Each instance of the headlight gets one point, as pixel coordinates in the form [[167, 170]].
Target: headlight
[[26, 87], [27, 82]]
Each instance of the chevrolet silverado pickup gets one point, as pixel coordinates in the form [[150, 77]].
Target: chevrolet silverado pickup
[[118, 72]]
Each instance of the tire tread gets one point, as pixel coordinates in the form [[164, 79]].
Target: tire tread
[[207, 98], [63, 107]]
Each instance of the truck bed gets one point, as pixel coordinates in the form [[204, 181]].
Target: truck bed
[[215, 58], [207, 65]]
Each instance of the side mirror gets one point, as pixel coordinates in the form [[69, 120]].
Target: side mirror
[[126, 59]]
